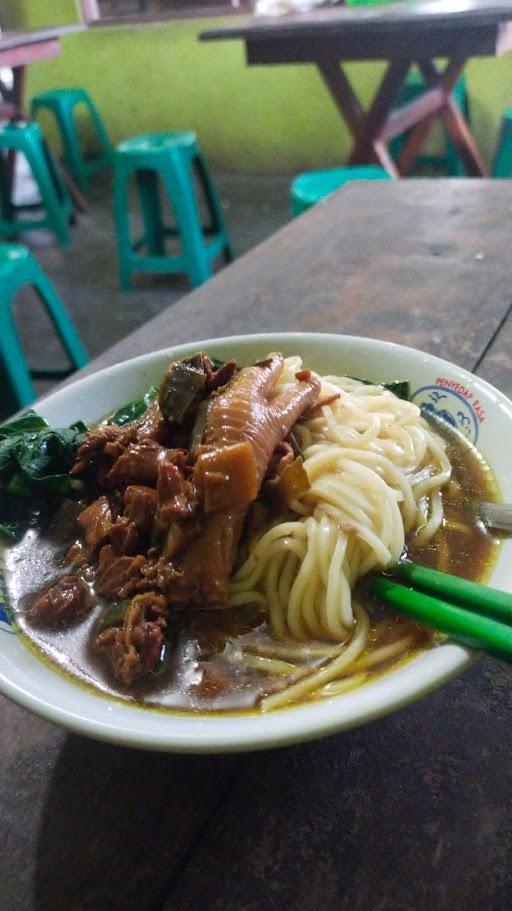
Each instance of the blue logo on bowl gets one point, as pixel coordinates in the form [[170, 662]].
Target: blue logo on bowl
[[6, 624], [454, 403]]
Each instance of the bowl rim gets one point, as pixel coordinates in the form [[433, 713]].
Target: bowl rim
[[237, 732]]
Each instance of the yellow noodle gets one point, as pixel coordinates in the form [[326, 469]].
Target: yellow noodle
[[376, 470], [342, 686], [372, 659], [284, 651], [271, 665], [327, 673]]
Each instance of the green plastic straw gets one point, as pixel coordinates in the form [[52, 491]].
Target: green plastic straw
[[465, 626], [471, 595]]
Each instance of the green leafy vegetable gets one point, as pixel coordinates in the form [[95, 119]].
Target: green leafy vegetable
[[182, 389], [400, 388], [135, 409], [16, 515], [217, 363], [9, 530], [35, 461], [38, 460], [30, 422], [112, 616]]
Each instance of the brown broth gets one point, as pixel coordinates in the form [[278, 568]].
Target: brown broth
[[206, 672]]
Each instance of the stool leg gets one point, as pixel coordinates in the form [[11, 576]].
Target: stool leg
[[6, 206], [14, 360], [121, 218], [63, 324], [182, 194], [100, 129], [502, 166], [48, 187], [147, 186], [72, 151], [454, 164], [214, 203]]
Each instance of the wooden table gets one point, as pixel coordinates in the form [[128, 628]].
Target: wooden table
[[415, 31], [410, 813], [17, 50]]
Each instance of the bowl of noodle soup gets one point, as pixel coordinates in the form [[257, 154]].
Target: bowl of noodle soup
[[385, 474]]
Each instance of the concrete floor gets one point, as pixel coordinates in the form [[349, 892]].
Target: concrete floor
[[85, 273]]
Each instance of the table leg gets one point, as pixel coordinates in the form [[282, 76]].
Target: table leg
[[343, 94], [455, 124], [14, 99], [377, 116], [11, 103], [365, 126], [77, 197], [453, 120], [18, 88]]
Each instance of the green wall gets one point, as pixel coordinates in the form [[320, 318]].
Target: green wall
[[279, 119]]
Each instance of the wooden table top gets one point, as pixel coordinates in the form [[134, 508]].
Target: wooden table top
[[17, 49], [394, 17], [13, 39], [409, 812], [482, 27]]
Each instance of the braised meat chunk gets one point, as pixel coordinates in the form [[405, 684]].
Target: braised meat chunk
[[101, 448], [176, 496], [95, 522], [67, 599], [134, 648], [153, 426], [138, 464], [140, 504], [124, 537], [122, 576]]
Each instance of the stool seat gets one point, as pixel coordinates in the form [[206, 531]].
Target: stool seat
[[27, 138], [309, 188], [19, 268], [55, 96], [153, 143], [62, 103], [171, 162]]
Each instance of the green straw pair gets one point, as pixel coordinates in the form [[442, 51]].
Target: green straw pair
[[466, 611]]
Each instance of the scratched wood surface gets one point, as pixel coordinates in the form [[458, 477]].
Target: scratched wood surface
[[410, 812]]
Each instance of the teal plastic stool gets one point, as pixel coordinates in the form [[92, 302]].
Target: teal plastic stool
[[17, 269], [502, 166], [27, 138], [62, 104], [450, 161], [309, 188], [173, 159]]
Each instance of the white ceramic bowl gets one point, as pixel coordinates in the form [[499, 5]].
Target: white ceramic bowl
[[482, 412]]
